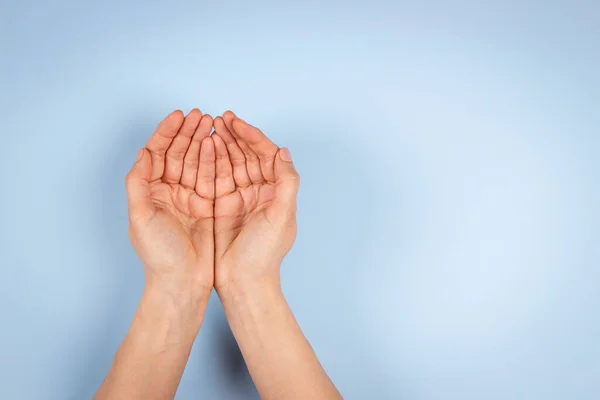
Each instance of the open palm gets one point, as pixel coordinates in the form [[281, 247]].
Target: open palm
[[171, 201], [255, 202]]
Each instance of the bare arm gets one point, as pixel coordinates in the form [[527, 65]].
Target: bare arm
[[170, 191], [280, 359], [151, 359], [255, 227]]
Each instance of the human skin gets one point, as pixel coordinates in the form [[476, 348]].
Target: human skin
[[255, 227], [213, 211], [170, 192]]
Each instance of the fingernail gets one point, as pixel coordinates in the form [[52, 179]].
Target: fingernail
[[285, 155], [139, 155]]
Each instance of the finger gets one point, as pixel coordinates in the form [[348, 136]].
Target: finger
[[224, 183], [252, 161], [205, 183], [160, 141], [264, 149], [137, 185], [192, 156], [179, 146], [287, 182], [236, 155]]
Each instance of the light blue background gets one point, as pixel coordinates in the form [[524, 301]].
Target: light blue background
[[449, 209]]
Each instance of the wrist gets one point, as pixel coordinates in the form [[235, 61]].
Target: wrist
[[249, 288], [168, 303], [164, 325], [251, 300], [183, 292]]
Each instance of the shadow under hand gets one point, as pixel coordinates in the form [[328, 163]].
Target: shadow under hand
[[231, 362], [217, 368]]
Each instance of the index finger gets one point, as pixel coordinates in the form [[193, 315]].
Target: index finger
[[160, 141]]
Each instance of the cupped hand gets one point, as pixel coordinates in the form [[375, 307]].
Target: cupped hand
[[255, 207], [170, 191]]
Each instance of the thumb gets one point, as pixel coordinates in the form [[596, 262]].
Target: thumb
[[137, 185], [287, 182]]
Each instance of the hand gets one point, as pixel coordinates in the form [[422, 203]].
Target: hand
[[170, 192], [255, 207], [255, 226]]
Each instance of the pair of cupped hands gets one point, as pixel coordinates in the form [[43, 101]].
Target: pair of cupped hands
[[211, 207]]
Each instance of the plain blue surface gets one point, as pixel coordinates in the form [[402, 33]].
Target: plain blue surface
[[449, 210]]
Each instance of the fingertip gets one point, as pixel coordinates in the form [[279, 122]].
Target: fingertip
[[285, 155], [173, 121], [228, 117], [177, 114], [191, 123], [208, 118], [221, 128], [204, 127], [194, 111]]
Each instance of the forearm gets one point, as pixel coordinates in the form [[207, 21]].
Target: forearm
[[151, 359], [281, 362]]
